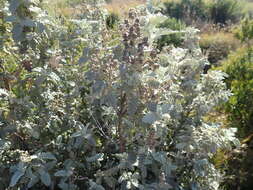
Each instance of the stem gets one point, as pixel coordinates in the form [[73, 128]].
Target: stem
[[121, 113]]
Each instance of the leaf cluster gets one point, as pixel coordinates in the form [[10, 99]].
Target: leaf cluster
[[120, 114]]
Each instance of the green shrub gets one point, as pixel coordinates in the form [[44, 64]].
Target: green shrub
[[124, 116], [217, 11], [239, 68], [245, 31], [240, 81], [239, 167], [112, 20], [175, 39], [173, 10], [186, 9], [223, 11]]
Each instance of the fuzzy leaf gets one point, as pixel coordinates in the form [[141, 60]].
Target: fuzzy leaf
[[45, 177], [150, 118], [15, 178], [46, 156], [97, 157], [14, 5], [33, 181], [63, 173], [94, 186]]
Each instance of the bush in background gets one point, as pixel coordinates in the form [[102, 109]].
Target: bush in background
[[186, 10], [239, 169], [175, 39], [123, 116], [245, 31], [112, 20], [239, 67], [218, 45], [223, 11], [218, 11]]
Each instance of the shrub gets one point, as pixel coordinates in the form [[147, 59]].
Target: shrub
[[239, 167], [186, 10], [239, 110], [123, 117], [245, 31], [223, 11], [217, 11], [239, 68], [218, 45], [175, 39], [248, 8], [112, 20], [240, 81]]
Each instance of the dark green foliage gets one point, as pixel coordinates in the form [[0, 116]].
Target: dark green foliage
[[108, 1], [186, 9], [245, 31], [239, 168], [175, 39], [112, 20], [173, 10], [218, 11], [239, 68], [222, 11], [2, 24]]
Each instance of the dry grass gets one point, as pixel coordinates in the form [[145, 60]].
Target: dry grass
[[121, 7], [219, 37], [59, 7], [217, 45]]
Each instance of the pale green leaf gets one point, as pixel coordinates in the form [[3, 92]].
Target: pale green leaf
[[45, 177], [150, 118], [63, 173], [15, 178], [97, 157], [46, 156]]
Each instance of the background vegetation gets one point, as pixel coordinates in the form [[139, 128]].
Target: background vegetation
[[70, 80]]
